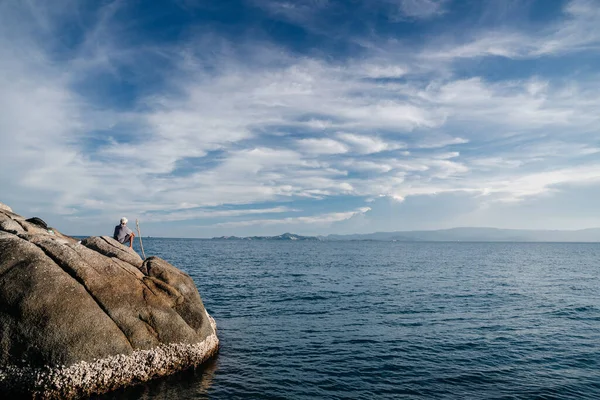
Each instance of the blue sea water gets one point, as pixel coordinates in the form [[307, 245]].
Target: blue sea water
[[381, 320]]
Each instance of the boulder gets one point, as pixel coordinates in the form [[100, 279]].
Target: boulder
[[111, 248], [79, 318], [4, 207]]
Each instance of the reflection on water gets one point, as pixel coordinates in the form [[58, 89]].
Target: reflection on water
[[190, 384]]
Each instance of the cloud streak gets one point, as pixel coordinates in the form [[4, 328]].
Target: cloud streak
[[578, 31], [421, 8]]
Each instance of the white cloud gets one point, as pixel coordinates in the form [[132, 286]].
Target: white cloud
[[298, 11], [510, 187], [186, 215], [578, 31], [368, 166], [440, 141], [38, 115], [540, 182], [363, 144], [322, 219], [421, 8], [377, 71], [322, 146], [511, 105]]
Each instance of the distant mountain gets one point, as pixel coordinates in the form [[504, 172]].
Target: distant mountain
[[447, 235], [478, 235], [285, 236]]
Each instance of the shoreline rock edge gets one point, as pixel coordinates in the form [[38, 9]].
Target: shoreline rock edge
[[103, 376]]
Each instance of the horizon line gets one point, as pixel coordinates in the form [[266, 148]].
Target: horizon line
[[371, 233]]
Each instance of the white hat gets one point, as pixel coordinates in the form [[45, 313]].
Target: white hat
[[123, 220]]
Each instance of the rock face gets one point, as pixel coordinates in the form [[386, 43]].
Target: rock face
[[79, 318]]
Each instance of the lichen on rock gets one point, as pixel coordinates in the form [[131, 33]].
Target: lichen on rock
[[80, 318]]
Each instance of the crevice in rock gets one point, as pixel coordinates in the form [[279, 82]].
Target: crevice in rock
[[73, 275], [114, 247], [149, 288], [5, 223], [110, 244], [20, 223], [149, 327], [167, 290], [122, 267], [9, 214], [148, 321], [2, 231]]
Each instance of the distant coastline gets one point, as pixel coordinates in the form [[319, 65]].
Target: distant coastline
[[445, 235]]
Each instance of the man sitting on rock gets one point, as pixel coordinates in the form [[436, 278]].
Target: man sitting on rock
[[123, 234]]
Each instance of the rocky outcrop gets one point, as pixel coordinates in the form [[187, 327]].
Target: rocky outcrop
[[85, 317]]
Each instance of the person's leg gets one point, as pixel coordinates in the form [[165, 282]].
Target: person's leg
[[131, 241]]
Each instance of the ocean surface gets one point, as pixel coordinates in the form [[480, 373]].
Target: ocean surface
[[382, 320]]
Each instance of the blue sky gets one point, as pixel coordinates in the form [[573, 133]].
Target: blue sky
[[240, 117]]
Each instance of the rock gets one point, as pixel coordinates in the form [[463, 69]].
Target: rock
[[111, 248], [78, 319], [10, 225], [4, 207], [191, 307]]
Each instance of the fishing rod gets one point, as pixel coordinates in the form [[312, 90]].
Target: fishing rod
[[140, 236]]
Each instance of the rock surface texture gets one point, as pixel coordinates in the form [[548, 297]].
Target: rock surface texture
[[82, 318]]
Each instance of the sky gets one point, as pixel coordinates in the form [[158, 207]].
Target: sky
[[205, 118]]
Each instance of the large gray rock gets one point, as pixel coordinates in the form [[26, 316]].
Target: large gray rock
[[78, 318]]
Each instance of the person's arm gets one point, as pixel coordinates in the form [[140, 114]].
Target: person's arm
[[131, 236]]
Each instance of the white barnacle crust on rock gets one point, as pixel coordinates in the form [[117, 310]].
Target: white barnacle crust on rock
[[83, 318]]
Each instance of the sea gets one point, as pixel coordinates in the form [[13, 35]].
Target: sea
[[390, 320]]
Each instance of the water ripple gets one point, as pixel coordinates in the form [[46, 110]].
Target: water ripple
[[391, 320]]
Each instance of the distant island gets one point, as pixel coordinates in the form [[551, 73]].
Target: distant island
[[285, 236], [447, 235]]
